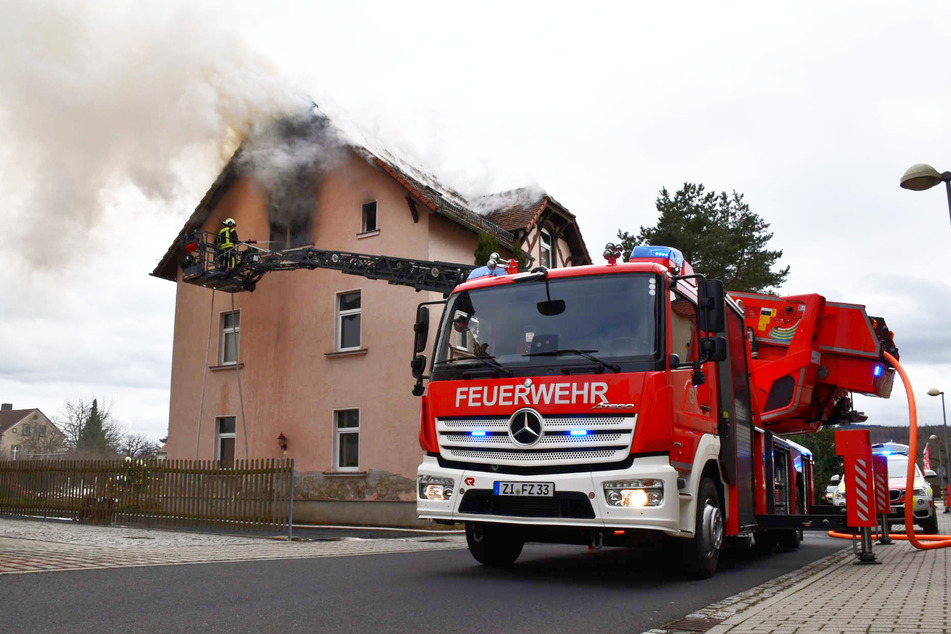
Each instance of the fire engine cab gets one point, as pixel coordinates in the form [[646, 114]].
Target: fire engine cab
[[604, 404]]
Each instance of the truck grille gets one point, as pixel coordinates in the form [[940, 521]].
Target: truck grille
[[564, 504], [605, 439]]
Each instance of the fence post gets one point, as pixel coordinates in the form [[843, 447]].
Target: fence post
[[290, 512]]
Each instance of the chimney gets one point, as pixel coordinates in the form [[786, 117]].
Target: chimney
[[6, 406]]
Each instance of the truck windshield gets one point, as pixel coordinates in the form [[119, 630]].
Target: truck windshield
[[609, 323]]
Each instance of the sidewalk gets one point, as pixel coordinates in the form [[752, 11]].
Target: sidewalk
[[909, 592], [42, 546]]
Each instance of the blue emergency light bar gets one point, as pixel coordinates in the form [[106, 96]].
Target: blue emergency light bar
[[478, 433], [877, 371], [484, 271], [579, 432], [647, 252]]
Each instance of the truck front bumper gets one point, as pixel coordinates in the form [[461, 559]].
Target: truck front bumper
[[578, 500]]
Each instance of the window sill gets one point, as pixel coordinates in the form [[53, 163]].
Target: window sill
[[368, 234], [229, 366], [346, 353], [346, 474]]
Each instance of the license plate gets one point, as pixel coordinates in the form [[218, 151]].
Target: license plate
[[533, 489]]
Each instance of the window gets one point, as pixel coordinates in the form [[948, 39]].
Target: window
[[683, 328], [346, 440], [42, 431], [368, 222], [226, 437], [546, 251], [348, 321], [25, 429], [15, 452], [230, 339]]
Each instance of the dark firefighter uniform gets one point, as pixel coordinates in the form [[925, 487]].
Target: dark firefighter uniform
[[226, 243]]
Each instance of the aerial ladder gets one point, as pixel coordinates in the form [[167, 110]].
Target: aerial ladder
[[204, 265]]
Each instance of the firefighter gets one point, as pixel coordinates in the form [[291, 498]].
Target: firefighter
[[226, 243]]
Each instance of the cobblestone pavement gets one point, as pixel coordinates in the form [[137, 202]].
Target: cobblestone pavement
[[34, 546], [909, 592]]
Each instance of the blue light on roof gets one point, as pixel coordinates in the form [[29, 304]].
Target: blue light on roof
[[477, 432], [884, 453], [664, 253], [877, 371], [484, 271], [579, 432]]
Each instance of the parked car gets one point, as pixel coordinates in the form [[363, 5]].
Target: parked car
[[922, 498], [831, 488]]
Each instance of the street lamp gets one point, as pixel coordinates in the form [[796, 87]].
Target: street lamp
[[921, 176], [947, 468]]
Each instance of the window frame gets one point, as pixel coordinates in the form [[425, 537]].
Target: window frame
[[25, 429], [364, 226], [337, 433], [550, 247], [338, 321], [15, 452], [223, 332], [219, 436]]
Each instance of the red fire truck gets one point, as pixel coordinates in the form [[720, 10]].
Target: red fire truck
[[604, 404], [611, 404]]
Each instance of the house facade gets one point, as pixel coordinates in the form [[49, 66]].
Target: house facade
[[27, 434], [314, 365]]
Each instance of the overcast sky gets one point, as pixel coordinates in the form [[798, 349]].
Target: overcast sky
[[114, 122]]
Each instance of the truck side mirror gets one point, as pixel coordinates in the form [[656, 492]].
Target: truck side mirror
[[421, 328], [711, 313], [713, 348], [418, 365]]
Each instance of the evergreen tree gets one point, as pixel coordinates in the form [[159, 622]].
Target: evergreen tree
[[719, 236], [92, 437], [486, 246]]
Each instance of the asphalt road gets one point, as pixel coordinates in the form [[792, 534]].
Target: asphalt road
[[550, 589]]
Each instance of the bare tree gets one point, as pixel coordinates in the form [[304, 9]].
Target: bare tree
[[137, 446], [75, 416]]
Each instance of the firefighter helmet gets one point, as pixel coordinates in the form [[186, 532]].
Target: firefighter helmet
[[228, 222]]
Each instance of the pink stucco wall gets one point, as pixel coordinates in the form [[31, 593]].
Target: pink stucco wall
[[290, 381]]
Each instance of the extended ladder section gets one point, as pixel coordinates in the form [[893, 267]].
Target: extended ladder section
[[242, 269], [808, 355]]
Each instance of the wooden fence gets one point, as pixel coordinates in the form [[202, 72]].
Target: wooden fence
[[253, 494]]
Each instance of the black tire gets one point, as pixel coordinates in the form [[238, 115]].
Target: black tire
[[494, 545], [788, 539], [930, 525], [702, 552]]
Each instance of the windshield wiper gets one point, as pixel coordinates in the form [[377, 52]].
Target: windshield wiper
[[581, 353], [489, 361]]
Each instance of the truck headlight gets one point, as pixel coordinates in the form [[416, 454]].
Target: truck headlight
[[634, 493], [435, 489]]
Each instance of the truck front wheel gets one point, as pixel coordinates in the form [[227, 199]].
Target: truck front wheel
[[701, 554], [493, 545]]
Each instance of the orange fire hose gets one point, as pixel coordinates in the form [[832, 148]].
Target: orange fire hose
[[918, 541]]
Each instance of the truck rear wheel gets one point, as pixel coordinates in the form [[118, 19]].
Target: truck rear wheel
[[493, 545], [788, 539], [701, 554]]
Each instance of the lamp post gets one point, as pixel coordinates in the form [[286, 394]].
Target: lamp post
[[922, 176], [947, 468]]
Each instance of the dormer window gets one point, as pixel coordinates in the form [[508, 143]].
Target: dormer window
[[546, 250]]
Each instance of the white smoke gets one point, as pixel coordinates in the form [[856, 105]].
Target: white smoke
[[97, 96]]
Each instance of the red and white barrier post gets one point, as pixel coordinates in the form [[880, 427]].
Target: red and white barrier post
[[855, 447]]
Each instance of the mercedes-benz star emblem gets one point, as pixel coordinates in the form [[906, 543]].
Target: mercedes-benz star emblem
[[525, 427]]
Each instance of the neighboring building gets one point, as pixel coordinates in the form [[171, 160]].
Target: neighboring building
[[322, 358], [27, 434]]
